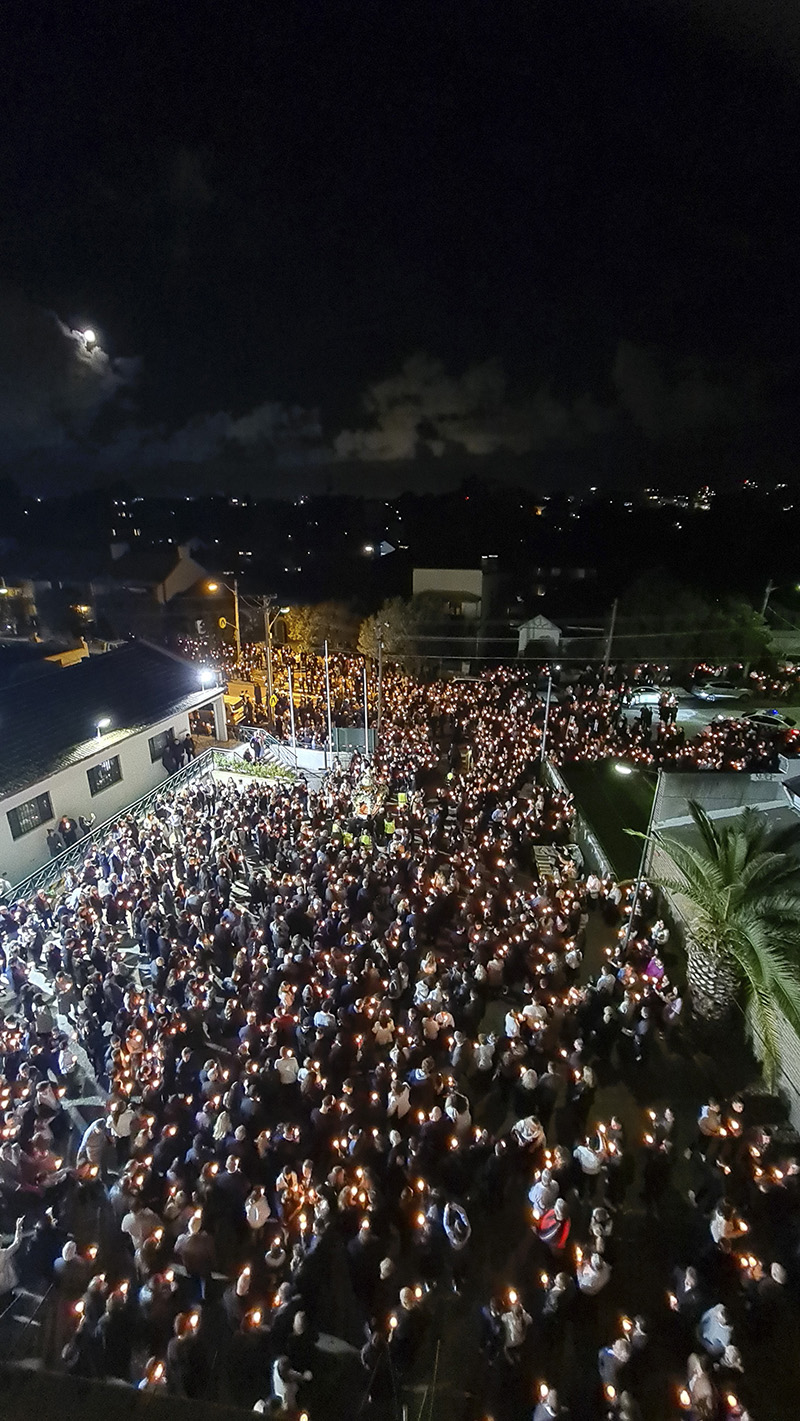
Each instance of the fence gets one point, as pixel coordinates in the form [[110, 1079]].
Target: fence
[[594, 857]]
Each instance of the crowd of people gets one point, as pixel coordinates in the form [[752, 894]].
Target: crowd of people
[[378, 1106]]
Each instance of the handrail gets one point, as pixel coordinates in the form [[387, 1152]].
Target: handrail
[[54, 870]]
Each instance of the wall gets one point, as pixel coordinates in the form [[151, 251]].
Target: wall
[[460, 583], [594, 859], [70, 794]]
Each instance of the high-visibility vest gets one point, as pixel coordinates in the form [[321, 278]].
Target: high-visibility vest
[[402, 799], [388, 825]]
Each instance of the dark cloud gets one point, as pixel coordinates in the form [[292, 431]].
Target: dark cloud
[[423, 408], [287, 433], [66, 399], [671, 399]]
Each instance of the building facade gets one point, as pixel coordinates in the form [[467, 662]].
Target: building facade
[[90, 739]]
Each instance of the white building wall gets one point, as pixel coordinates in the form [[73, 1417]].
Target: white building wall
[[70, 794]]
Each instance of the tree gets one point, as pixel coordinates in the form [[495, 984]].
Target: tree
[[397, 625], [741, 887], [300, 628], [308, 628], [661, 619]]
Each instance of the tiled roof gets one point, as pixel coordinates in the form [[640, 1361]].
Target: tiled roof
[[49, 723]]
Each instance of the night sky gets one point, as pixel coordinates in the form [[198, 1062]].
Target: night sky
[[383, 244]]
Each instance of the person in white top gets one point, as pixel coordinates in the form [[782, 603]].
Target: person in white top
[[484, 1053], [287, 1066], [285, 1382], [140, 1223], [544, 1192], [593, 888], [515, 1323], [399, 1100], [593, 1274], [257, 1210]]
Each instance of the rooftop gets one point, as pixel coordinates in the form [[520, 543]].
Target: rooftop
[[50, 722]]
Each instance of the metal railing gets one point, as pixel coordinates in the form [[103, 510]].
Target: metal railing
[[54, 870], [52, 873]]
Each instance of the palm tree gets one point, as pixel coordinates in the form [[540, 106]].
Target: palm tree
[[740, 891]]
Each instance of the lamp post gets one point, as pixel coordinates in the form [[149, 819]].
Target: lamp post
[[214, 587], [329, 756], [546, 713], [380, 685]]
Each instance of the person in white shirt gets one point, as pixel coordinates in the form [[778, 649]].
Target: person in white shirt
[[514, 1323], [593, 1274], [544, 1192], [511, 1025], [484, 1053], [287, 1066], [399, 1100], [286, 1381], [120, 1122], [257, 1210], [140, 1223], [383, 1030], [593, 888], [591, 1160]]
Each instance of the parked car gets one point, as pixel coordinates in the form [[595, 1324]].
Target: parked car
[[720, 691], [646, 695], [773, 718]]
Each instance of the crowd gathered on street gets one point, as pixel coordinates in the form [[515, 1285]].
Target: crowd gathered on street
[[315, 1100]]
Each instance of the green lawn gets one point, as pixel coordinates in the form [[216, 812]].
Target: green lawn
[[612, 803]]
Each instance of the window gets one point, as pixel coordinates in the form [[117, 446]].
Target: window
[[158, 743], [104, 775], [29, 815]]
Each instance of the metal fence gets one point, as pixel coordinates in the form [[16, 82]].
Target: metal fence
[[594, 856], [53, 871]]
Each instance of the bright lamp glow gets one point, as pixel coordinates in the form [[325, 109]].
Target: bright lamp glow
[[623, 769], [90, 336], [206, 676], [212, 587]]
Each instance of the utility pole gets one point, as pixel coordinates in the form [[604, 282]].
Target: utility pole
[[268, 649], [328, 700], [768, 591], [546, 712], [291, 709], [610, 640], [366, 715], [236, 619], [380, 681]]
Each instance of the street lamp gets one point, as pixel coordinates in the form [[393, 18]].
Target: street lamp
[[214, 587], [102, 725], [623, 769], [207, 677]]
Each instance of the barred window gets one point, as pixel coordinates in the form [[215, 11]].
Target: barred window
[[104, 775], [29, 815]]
